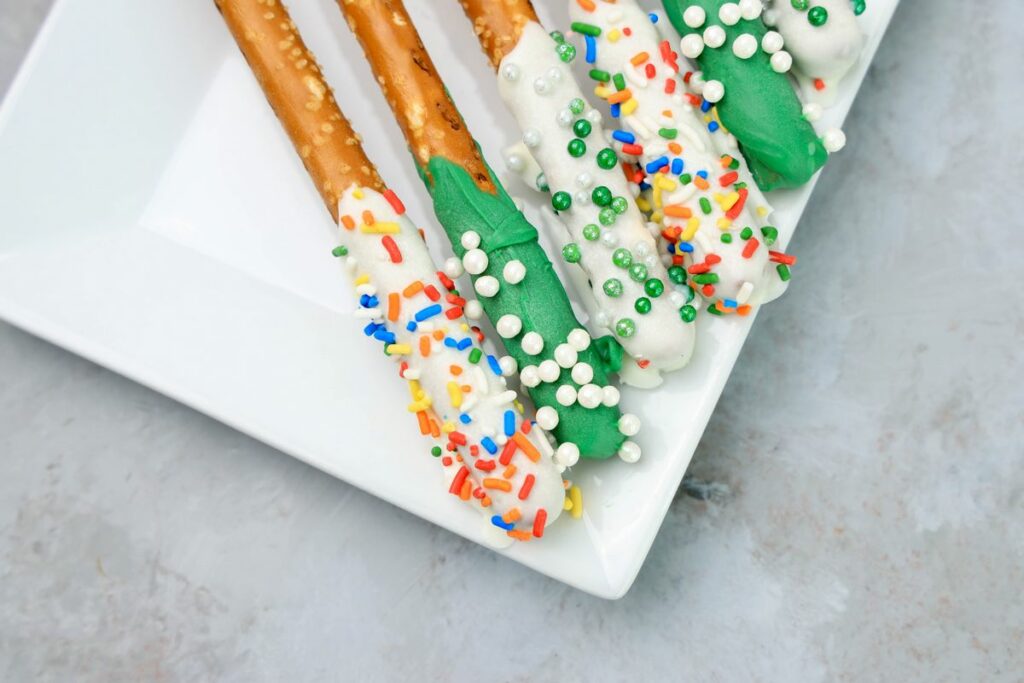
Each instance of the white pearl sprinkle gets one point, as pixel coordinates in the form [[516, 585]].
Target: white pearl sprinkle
[[474, 310], [487, 286], [594, 116], [629, 424], [547, 418], [567, 455], [590, 396], [609, 238], [565, 355], [554, 74], [694, 16], [580, 339], [751, 9], [514, 272], [714, 36], [508, 366], [511, 72], [772, 42], [566, 395], [582, 198], [781, 62], [677, 299], [470, 239], [813, 111], [582, 373], [530, 377], [610, 396], [584, 180], [629, 452], [744, 46], [729, 14], [833, 140], [549, 371], [453, 267], [509, 325], [533, 343], [541, 86], [514, 162], [714, 91], [691, 46], [564, 118], [531, 137], [475, 261]]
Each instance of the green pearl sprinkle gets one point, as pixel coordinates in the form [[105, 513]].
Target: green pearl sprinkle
[[625, 328], [571, 252], [746, 233], [577, 148], [817, 16], [688, 313], [677, 274], [340, 251], [577, 105], [582, 128], [638, 272], [654, 287], [436, 451], [607, 216], [591, 232], [557, 36], [613, 287], [770, 234], [561, 201], [800, 5], [607, 158], [622, 258], [642, 305], [601, 195], [566, 52], [858, 7], [619, 205]]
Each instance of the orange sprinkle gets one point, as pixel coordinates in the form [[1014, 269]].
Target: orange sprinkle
[[491, 483], [744, 309], [700, 182], [467, 490], [639, 58], [513, 515], [675, 148], [394, 306], [413, 289], [466, 389], [348, 222], [620, 97], [425, 346], [726, 161], [587, 5], [519, 535], [435, 429], [678, 211], [455, 370], [424, 422], [438, 335], [485, 501], [509, 472], [528, 448], [368, 217]]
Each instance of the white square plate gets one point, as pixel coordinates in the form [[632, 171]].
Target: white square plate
[[156, 220]]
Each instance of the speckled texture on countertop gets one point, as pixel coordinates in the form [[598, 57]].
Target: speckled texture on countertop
[[863, 492]]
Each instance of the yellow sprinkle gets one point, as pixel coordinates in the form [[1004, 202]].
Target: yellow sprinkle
[[567, 504], [603, 92], [657, 216], [358, 193], [762, 211], [665, 183], [455, 394], [730, 200], [362, 280], [418, 406], [656, 196], [644, 205], [518, 406], [614, 35], [414, 388], [380, 228], [448, 427], [398, 349], [576, 496], [724, 223], [691, 229], [464, 327], [629, 106]]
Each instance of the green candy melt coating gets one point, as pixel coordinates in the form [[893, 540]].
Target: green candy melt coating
[[760, 107], [541, 303]]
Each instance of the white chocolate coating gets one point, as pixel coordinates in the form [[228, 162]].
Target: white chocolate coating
[[464, 405]]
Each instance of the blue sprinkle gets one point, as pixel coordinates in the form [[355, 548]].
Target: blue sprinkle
[[703, 174], [623, 136], [428, 312], [465, 419], [451, 343], [713, 126], [383, 335], [685, 247], [510, 423], [488, 443], [656, 165], [671, 248], [677, 166], [614, 110], [653, 17], [705, 106], [464, 344], [495, 366], [411, 326], [729, 303], [591, 49], [371, 328], [497, 521], [644, 186]]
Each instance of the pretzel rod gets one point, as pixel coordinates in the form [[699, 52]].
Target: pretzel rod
[[499, 24], [491, 456], [712, 218], [609, 237], [565, 371]]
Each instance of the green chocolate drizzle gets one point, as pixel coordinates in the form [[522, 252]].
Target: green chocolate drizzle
[[539, 300], [760, 107]]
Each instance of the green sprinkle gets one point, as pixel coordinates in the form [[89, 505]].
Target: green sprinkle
[[607, 159], [817, 16], [585, 29], [591, 232], [770, 235], [654, 287], [638, 272], [582, 128], [668, 133], [613, 287], [706, 278], [561, 201], [607, 216], [571, 252], [474, 356], [436, 451], [746, 233], [690, 294], [625, 328], [340, 251], [783, 272], [726, 238], [599, 75], [619, 205], [577, 148], [705, 205], [739, 185], [622, 258], [557, 36], [619, 81], [713, 310], [642, 305], [734, 164], [677, 274], [566, 52], [577, 105], [800, 5], [686, 179], [688, 313], [601, 195]]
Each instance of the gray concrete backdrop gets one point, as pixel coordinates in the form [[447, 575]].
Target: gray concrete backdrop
[[865, 517]]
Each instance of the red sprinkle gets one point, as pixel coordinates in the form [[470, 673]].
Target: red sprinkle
[[507, 452], [728, 179], [650, 71], [394, 201], [712, 259], [524, 490], [453, 312], [446, 281], [432, 293], [670, 85], [393, 251], [779, 257], [699, 269], [752, 245], [819, 84], [538, 522], [458, 438], [633, 149], [708, 290], [732, 213], [485, 465], [456, 487]]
